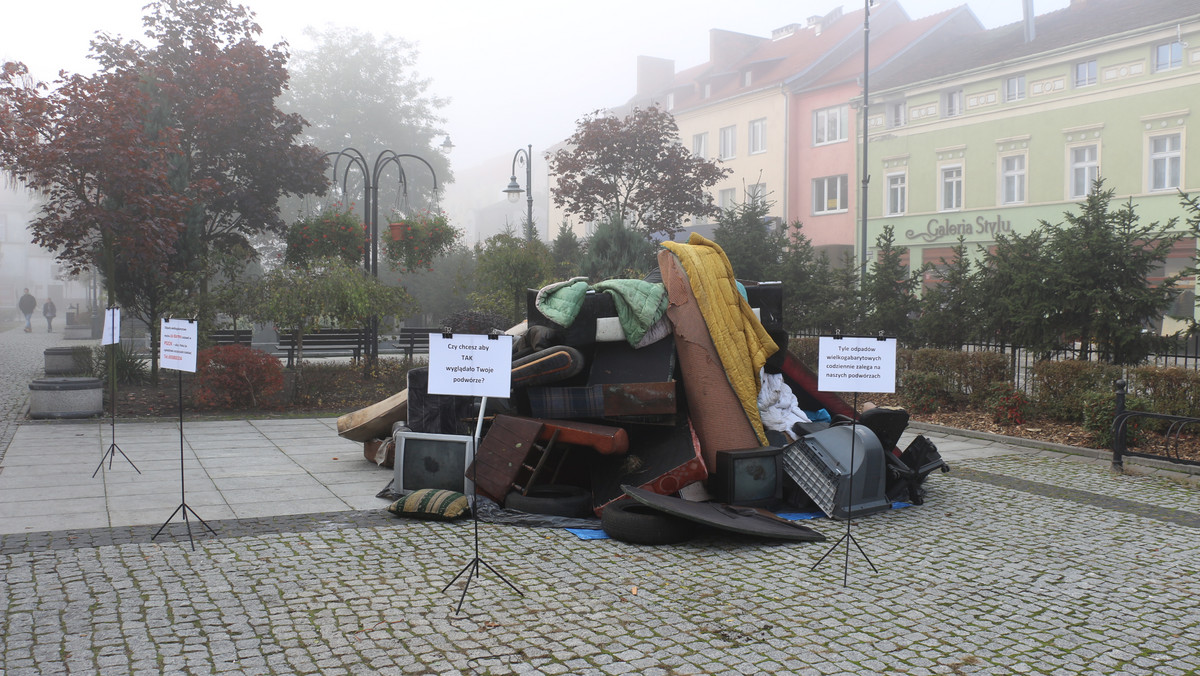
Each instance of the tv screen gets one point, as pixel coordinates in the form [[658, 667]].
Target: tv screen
[[751, 477], [425, 460]]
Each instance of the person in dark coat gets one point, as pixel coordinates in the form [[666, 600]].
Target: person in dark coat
[[49, 312], [27, 304]]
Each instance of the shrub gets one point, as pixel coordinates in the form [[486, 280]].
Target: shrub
[[1008, 405], [236, 376], [806, 351], [131, 367], [85, 358], [924, 392], [473, 321], [1173, 391], [1059, 386], [1099, 409], [967, 374]]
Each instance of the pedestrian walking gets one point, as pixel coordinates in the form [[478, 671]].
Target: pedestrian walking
[[49, 312], [27, 304]]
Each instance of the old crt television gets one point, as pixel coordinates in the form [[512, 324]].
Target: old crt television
[[751, 477], [426, 460]]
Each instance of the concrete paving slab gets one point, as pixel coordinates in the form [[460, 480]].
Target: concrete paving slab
[[49, 522], [313, 505], [160, 514], [62, 508]]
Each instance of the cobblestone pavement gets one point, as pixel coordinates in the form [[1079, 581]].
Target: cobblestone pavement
[[1019, 562]]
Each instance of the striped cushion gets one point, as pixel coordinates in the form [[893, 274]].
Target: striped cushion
[[432, 504]]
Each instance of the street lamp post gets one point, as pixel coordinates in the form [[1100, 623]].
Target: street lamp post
[[371, 175], [523, 156]]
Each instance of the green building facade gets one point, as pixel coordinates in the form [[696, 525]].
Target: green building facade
[[997, 131]]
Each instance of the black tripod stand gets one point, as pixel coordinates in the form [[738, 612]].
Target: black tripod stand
[[113, 448], [473, 564], [183, 505], [848, 538]]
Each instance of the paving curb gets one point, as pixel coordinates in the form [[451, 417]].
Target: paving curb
[[1190, 473]]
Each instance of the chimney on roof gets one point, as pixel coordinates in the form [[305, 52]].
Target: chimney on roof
[[725, 47], [820, 23], [1027, 8], [654, 75], [785, 31]]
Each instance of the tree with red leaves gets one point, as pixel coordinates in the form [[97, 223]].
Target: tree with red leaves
[[85, 149], [168, 155], [636, 169]]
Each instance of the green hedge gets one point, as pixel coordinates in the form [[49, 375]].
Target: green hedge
[[1060, 388], [1069, 390], [1173, 391], [966, 374]]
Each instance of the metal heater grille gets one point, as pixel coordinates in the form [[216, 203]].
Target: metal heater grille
[[814, 477], [841, 469]]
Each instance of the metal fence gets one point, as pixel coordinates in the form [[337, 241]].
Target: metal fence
[[1185, 354]]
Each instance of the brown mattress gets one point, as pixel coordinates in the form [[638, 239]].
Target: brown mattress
[[713, 406]]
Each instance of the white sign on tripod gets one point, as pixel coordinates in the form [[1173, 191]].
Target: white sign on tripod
[[856, 364], [112, 327], [470, 365], [178, 340]]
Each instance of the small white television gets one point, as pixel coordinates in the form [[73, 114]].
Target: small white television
[[426, 460]]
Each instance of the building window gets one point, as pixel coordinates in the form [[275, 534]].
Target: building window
[[1165, 156], [746, 78], [829, 194], [1012, 179], [1085, 169], [897, 194], [728, 141], [758, 136], [700, 145], [1168, 55], [952, 188], [1014, 88], [756, 192], [896, 114], [1085, 73], [707, 90], [830, 125], [671, 101], [952, 103], [726, 197]]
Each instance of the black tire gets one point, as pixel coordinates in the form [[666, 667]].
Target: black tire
[[552, 500], [631, 521]]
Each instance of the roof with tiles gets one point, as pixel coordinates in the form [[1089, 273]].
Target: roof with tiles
[[769, 61], [893, 44], [1082, 21]]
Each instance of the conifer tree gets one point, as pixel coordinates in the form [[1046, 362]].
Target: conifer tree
[[616, 251], [1015, 283], [1106, 258], [889, 290], [947, 307], [567, 250]]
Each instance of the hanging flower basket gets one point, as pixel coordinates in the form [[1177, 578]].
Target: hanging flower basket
[[334, 232], [419, 239]]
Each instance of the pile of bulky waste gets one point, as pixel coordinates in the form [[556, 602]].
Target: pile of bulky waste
[[651, 408]]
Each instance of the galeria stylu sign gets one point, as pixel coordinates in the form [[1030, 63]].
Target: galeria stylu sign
[[941, 228]]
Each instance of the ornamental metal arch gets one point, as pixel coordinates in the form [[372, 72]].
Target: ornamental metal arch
[[371, 173]]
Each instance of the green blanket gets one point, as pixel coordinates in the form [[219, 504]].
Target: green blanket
[[639, 303]]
